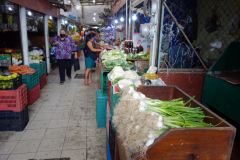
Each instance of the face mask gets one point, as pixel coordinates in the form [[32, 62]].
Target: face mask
[[62, 35]]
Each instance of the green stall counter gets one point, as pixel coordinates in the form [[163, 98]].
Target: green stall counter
[[218, 91]]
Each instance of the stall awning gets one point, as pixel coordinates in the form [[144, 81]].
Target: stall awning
[[42, 6]]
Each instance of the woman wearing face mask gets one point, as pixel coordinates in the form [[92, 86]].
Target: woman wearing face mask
[[65, 45], [90, 57]]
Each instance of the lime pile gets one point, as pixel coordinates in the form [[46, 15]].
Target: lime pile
[[5, 83]]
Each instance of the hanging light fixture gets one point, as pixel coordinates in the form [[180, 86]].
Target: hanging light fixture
[[122, 19], [10, 8], [66, 22], [116, 21], [29, 13], [50, 17], [94, 14], [134, 17]]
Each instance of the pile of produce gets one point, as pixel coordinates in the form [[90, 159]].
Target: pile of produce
[[35, 56], [140, 120], [110, 64], [23, 69], [141, 55], [5, 81]]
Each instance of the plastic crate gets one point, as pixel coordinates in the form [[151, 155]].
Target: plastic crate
[[14, 100], [101, 109], [114, 100], [14, 121], [34, 94], [31, 80], [15, 83], [112, 136], [43, 80], [99, 84], [40, 67], [104, 82], [109, 92]]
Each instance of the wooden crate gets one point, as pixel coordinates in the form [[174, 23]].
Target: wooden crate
[[185, 143], [141, 64]]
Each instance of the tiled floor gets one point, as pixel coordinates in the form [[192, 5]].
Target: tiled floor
[[62, 124]]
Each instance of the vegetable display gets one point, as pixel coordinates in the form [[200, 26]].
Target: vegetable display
[[23, 69], [116, 73], [139, 120], [110, 64]]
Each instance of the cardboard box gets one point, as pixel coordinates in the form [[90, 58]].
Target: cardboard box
[[141, 65]]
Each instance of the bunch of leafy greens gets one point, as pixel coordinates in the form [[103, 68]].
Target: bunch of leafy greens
[[110, 64]]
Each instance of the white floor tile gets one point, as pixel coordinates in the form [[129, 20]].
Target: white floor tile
[[55, 133], [10, 136], [58, 123], [38, 124], [48, 155], [76, 142], [7, 147], [3, 157], [55, 144], [79, 154], [23, 156], [28, 146], [33, 134]]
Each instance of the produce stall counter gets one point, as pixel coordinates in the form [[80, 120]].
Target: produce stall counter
[[185, 143]]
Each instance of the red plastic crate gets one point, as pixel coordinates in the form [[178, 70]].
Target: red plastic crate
[[99, 84], [43, 80], [14, 100], [34, 94], [109, 92]]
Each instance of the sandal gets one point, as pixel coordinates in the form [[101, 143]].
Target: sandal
[[87, 85], [91, 82], [62, 82], [69, 78]]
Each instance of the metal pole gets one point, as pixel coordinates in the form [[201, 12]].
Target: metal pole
[[155, 41], [161, 36], [58, 26], [23, 32], [126, 20], [184, 35], [46, 37], [130, 20]]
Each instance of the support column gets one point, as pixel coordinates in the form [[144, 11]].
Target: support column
[[130, 21], [58, 26], [46, 37], [23, 34], [126, 20]]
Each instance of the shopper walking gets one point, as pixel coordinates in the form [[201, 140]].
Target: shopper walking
[[90, 57], [65, 45]]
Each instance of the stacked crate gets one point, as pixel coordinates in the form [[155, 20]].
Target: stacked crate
[[43, 80], [32, 81], [42, 70], [101, 108], [14, 109], [40, 67]]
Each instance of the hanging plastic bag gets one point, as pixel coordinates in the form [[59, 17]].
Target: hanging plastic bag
[[76, 65], [53, 50], [217, 44], [190, 26]]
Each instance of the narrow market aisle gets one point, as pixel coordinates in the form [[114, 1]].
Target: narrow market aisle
[[62, 124]]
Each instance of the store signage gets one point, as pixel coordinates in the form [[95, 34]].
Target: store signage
[[71, 16]]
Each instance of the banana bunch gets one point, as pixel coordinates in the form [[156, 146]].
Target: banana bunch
[[150, 76], [50, 24]]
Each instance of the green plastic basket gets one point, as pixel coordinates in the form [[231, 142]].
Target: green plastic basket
[[101, 109], [113, 101], [31, 80], [104, 82], [40, 67]]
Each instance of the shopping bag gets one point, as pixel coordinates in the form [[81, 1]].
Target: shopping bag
[[53, 50], [76, 64]]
